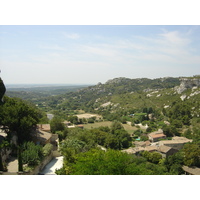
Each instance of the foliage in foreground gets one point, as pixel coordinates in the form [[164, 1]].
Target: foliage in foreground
[[111, 162], [19, 117], [32, 154]]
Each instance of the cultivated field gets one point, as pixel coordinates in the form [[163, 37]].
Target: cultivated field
[[127, 127], [88, 115]]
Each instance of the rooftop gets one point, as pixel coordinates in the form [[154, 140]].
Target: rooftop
[[164, 149], [150, 148], [156, 132], [157, 135], [177, 140], [44, 127], [43, 136], [192, 170]]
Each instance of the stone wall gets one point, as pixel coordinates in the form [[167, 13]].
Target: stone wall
[[39, 168], [45, 161]]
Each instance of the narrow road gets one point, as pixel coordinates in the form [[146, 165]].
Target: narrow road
[[56, 163]]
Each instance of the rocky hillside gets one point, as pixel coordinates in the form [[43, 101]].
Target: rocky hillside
[[188, 83], [122, 86]]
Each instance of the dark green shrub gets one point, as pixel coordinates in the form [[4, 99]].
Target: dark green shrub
[[32, 154], [47, 149]]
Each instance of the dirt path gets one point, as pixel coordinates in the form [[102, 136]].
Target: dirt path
[[13, 165]]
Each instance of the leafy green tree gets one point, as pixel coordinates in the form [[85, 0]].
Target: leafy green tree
[[56, 125], [97, 162], [100, 136], [62, 134], [180, 111], [174, 163], [170, 131], [144, 137], [191, 153], [188, 134], [111, 142], [116, 126], [177, 123], [47, 149], [73, 119], [112, 162], [18, 117], [31, 154], [153, 157]]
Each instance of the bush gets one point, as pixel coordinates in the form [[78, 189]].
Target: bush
[[91, 120], [144, 138], [32, 154], [47, 149]]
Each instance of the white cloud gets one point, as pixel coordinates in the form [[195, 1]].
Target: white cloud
[[174, 38], [71, 35]]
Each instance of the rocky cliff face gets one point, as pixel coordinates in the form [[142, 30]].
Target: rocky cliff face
[[187, 83], [2, 90]]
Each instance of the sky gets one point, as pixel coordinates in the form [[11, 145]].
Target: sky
[[88, 54]]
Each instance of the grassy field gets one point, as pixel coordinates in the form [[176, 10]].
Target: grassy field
[[127, 127], [88, 115]]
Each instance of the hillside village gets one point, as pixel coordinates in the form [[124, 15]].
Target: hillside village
[[154, 123]]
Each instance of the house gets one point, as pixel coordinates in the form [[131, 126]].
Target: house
[[135, 150], [139, 149], [191, 170], [150, 148], [176, 142], [43, 135], [142, 143], [44, 127], [156, 136], [166, 151]]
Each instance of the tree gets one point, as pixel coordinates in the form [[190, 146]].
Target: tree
[[56, 125], [174, 163], [112, 162], [191, 153], [153, 157], [170, 131], [21, 118], [17, 116], [98, 162], [32, 154], [116, 126]]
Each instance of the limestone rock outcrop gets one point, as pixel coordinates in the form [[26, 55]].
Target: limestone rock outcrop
[[187, 83]]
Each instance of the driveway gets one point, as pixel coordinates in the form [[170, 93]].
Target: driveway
[[55, 163]]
